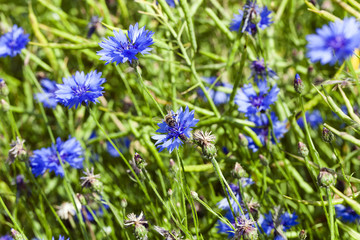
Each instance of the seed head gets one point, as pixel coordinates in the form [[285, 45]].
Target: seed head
[[205, 141], [17, 150], [326, 177], [90, 180], [244, 229], [140, 225], [66, 210]]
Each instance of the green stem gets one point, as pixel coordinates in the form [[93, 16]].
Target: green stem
[[331, 214]]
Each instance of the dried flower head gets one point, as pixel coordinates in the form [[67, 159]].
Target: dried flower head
[[17, 150], [91, 180], [245, 228], [204, 140], [67, 210], [136, 221], [173, 235]]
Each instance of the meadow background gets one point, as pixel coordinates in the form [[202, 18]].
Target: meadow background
[[180, 190]]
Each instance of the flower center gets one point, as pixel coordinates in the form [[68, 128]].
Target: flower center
[[337, 42], [258, 66], [80, 90], [257, 101], [12, 43]]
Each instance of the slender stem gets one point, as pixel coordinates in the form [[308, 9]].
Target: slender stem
[[331, 214], [148, 92], [12, 218]]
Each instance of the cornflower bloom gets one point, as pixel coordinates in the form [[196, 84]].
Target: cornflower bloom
[[80, 89], [262, 130], [241, 228], [250, 102], [122, 144], [254, 18], [260, 72], [94, 24], [60, 238], [347, 214], [122, 48], [11, 43], [174, 129], [334, 42], [217, 96], [224, 204], [44, 159], [286, 220], [6, 237], [313, 118], [47, 97]]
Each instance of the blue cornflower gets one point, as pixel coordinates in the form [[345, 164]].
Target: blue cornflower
[[47, 97], [60, 238], [224, 228], [223, 204], [260, 72], [262, 131], [171, 3], [6, 237], [121, 48], [11, 43], [314, 119], [70, 152], [255, 17], [80, 88], [334, 42], [287, 220], [177, 131], [122, 144], [250, 102], [217, 96], [347, 214]]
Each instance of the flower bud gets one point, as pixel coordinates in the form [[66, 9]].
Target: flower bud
[[238, 171], [327, 135], [17, 235], [81, 199], [170, 192], [263, 160], [124, 203], [298, 84], [4, 105], [4, 90], [194, 194], [302, 235], [251, 234], [303, 150], [141, 232], [243, 140], [326, 177]]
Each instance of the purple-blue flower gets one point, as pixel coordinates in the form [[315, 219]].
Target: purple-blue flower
[[122, 144], [347, 214], [224, 228], [171, 3], [287, 220], [260, 72], [262, 129], [334, 42], [172, 137], [44, 159], [217, 96], [224, 204], [250, 102], [80, 89], [60, 238], [122, 48], [47, 97], [6, 237], [253, 14], [11, 43], [314, 119]]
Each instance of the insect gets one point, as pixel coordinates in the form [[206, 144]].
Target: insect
[[169, 119]]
